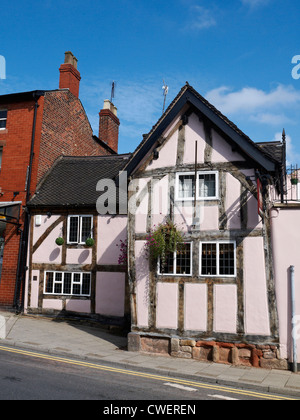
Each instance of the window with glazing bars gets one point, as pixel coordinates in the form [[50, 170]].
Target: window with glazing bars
[[206, 185], [218, 259], [63, 283], [178, 262], [79, 229]]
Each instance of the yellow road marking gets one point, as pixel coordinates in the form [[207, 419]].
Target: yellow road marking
[[145, 375]]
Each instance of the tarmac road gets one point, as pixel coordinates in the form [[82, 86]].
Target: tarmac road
[[76, 340], [27, 375]]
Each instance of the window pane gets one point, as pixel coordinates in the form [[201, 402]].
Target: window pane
[[168, 267], [73, 229], [209, 259], [67, 283], [226, 259], [3, 114], [86, 228], [183, 260], [207, 185], [86, 281], [49, 282], [2, 123], [76, 288], [76, 284], [58, 283], [186, 186]]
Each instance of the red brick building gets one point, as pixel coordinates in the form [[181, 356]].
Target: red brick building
[[35, 129]]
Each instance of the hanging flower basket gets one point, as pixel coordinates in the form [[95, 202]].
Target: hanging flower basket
[[59, 241], [294, 181], [89, 242], [162, 240]]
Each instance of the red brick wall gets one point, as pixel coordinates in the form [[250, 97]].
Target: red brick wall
[[62, 128], [16, 143], [66, 130]]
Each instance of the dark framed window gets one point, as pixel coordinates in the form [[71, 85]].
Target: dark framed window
[[3, 119], [178, 262], [218, 259], [80, 228], [66, 283]]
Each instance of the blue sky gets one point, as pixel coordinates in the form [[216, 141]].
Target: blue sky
[[236, 53]]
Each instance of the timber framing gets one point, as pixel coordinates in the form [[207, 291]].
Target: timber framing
[[91, 268], [253, 160]]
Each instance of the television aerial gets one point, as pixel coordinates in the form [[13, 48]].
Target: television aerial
[[166, 90], [113, 88]]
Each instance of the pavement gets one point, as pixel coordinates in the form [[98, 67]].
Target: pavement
[[77, 339]]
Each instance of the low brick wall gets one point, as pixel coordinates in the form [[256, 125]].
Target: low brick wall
[[239, 354]]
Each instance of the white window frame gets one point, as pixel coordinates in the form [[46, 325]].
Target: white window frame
[[79, 232], [198, 197], [62, 283], [3, 119], [174, 264], [218, 258]]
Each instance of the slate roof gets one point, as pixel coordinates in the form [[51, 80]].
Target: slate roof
[[71, 182], [274, 149]]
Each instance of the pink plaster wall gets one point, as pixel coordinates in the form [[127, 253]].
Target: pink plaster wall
[[194, 131], [55, 304], [48, 252], [46, 222], [167, 155], [78, 305], [285, 225], [141, 212], [159, 205], [79, 256], [225, 308], [167, 305], [34, 296], [222, 150], [255, 288], [195, 307], [110, 293], [142, 284], [233, 193], [110, 231]]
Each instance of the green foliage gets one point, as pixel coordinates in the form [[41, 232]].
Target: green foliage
[[165, 238], [89, 242], [59, 241]]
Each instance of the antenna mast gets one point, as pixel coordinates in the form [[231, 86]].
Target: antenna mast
[[165, 89], [112, 95]]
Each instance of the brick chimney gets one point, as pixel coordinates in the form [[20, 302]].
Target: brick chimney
[[69, 75], [109, 125]]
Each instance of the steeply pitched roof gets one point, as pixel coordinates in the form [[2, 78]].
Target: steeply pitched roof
[[72, 181], [188, 95]]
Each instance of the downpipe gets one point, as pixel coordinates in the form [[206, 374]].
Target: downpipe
[[294, 334]]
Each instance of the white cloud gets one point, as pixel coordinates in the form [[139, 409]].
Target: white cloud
[[271, 119], [254, 3], [202, 18], [257, 104]]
